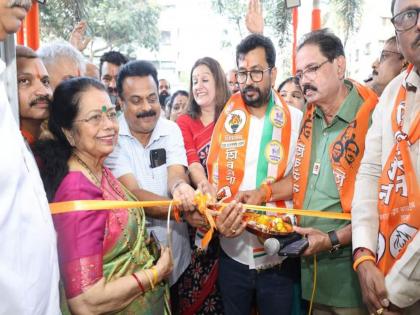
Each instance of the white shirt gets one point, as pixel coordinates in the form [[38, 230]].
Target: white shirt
[[130, 157], [403, 280], [241, 248], [29, 271]]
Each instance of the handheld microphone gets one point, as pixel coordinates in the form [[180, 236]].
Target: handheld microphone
[[291, 246]]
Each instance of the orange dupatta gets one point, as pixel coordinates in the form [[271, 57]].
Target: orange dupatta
[[399, 192], [229, 145], [344, 166]]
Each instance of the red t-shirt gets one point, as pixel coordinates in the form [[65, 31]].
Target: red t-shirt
[[197, 138]]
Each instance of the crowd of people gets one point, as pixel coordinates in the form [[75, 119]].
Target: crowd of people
[[115, 132]]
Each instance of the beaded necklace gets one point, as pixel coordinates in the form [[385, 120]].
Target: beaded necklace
[[120, 193]]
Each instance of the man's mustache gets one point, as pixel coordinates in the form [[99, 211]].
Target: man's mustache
[[112, 90], [42, 98], [26, 4], [149, 113], [250, 88], [307, 87]]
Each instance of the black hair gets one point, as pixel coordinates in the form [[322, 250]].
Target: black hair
[[55, 153], [221, 86], [163, 79], [253, 41], [289, 79], [329, 44], [173, 96], [136, 68], [171, 101], [113, 57]]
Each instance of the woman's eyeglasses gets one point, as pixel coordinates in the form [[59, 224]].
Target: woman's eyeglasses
[[97, 119]]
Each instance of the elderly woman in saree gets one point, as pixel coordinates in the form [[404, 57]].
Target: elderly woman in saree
[[107, 261]]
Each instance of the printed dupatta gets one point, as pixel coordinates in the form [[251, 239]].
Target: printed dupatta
[[346, 151], [226, 160], [399, 192]]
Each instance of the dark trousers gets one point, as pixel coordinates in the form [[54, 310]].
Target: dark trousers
[[272, 288]]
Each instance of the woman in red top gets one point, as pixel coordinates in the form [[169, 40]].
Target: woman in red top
[[209, 93]]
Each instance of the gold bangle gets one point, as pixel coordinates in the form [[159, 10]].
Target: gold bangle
[[155, 274], [361, 259], [150, 279]]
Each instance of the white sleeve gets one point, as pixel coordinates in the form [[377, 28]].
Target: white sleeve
[[119, 161], [403, 280], [175, 149], [365, 219]]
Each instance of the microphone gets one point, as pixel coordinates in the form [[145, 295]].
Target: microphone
[[292, 245], [272, 246]]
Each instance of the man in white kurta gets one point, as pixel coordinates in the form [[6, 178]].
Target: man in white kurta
[[28, 256], [398, 292]]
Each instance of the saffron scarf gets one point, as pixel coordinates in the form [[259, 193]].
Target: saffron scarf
[[399, 192], [226, 159], [344, 166]]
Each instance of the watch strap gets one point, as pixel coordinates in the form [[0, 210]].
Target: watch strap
[[334, 241]]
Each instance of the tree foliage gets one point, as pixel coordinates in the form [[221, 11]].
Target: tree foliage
[[279, 19], [123, 24], [349, 13]]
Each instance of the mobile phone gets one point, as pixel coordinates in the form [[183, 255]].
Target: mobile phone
[[295, 249], [157, 157]]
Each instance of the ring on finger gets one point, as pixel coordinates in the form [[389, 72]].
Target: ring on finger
[[233, 230]]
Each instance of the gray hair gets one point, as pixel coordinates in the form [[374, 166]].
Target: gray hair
[[52, 52]]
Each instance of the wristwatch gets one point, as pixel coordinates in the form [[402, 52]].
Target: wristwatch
[[334, 241]]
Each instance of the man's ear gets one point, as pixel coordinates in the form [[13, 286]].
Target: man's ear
[[341, 67], [273, 76], [69, 136]]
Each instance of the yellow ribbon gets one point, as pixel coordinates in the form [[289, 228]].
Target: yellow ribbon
[[87, 205], [202, 201]]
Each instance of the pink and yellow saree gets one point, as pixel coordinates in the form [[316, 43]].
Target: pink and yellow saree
[[110, 244]]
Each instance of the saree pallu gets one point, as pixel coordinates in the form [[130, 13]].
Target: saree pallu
[[125, 247]]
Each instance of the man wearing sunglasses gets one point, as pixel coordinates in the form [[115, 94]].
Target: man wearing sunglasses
[[386, 220], [388, 66]]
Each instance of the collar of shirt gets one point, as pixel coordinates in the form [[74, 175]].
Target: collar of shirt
[[348, 110], [160, 130]]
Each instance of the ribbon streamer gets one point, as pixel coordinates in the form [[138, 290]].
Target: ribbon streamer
[[86, 205], [202, 201]]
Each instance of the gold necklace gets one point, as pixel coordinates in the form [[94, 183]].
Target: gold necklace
[[86, 167]]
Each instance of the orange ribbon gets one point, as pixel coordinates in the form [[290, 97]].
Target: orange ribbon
[[202, 201]]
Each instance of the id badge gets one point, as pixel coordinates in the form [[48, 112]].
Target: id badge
[[316, 168]]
